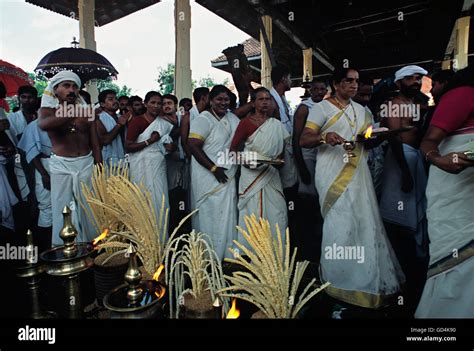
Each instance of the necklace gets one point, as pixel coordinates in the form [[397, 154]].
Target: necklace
[[72, 128], [216, 115], [258, 121], [352, 123]]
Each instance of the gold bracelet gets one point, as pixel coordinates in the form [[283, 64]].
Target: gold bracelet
[[322, 138], [213, 169]]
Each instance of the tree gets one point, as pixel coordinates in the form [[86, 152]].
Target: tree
[[209, 82], [166, 79], [103, 84]]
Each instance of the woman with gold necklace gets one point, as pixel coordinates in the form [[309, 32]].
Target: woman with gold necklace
[[352, 222], [214, 188]]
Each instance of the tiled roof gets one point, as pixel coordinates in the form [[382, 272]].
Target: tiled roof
[[251, 49]]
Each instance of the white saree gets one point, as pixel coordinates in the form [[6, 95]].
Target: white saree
[[352, 221], [448, 292], [217, 202], [149, 165], [260, 189]]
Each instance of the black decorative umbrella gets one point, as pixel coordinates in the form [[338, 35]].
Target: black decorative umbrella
[[87, 64]]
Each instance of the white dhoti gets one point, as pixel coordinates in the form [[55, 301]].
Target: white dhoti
[[67, 174], [357, 258], [448, 292], [148, 166], [260, 189], [406, 209]]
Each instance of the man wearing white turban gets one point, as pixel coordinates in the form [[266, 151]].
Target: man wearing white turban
[[75, 147], [402, 197]]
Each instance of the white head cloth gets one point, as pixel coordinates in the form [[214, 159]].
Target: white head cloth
[[409, 71], [49, 99]]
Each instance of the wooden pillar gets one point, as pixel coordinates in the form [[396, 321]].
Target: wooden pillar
[[307, 64], [462, 41], [87, 37], [265, 74], [182, 77]]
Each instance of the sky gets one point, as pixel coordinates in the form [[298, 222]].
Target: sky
[[137, 45]]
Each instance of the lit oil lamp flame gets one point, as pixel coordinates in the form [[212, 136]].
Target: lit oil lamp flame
[[368, 132], [100, 237], [233, 313], [161, 293], [158, 272]]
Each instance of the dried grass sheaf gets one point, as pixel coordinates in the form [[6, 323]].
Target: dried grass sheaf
[[191, 256], [127, 210], [272, 278]]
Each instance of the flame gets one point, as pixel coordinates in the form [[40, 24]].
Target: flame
[[368, 132], [158, 272], [233, 313], [100, 237], [162, 292]]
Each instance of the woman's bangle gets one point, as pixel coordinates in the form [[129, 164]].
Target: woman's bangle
[[428, 154], [213, 169], [147, 142], [322, 139]]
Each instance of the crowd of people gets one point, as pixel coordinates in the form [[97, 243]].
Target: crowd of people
[[402, 198]]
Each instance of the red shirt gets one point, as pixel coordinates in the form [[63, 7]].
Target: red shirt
[[245, 129], [136, 127], [455, 111]]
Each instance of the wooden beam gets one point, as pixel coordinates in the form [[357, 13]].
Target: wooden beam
[[462, 43], [307, 64], [266, 71], [182, 76], [317, 52], [87, 37]]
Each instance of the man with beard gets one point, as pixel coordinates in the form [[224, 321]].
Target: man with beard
[[403, 201], [122, 105], [75, 148], [109, 127], [175, 163], [309, 221]]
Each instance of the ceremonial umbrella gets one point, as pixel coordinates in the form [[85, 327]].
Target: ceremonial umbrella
[[13, 77], [87, 64]]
